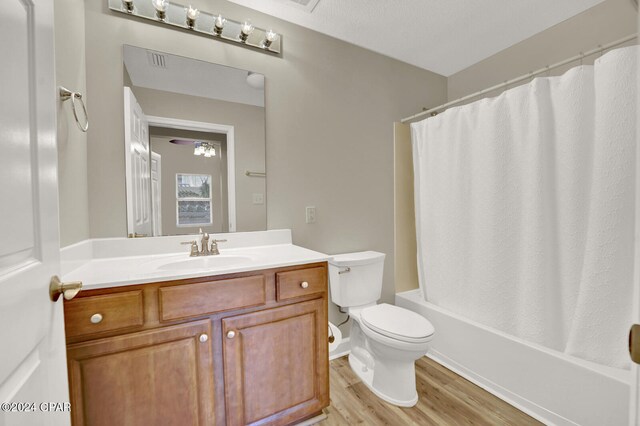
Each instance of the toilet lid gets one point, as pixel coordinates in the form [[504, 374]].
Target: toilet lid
[[397, 323]]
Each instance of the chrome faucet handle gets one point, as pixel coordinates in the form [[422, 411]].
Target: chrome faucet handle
[[194, 247], [214, 246]]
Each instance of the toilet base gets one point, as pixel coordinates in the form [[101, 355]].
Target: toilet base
[[366, 375]]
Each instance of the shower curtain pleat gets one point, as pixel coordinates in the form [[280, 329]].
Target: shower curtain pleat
[[524, 209], [603, 314]]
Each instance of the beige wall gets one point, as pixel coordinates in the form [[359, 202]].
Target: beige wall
[[248, 122], [406, 270], [72, 143], [330, 108], [609, 21]]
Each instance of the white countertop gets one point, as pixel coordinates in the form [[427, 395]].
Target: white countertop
[[122, 271], [119, 262]]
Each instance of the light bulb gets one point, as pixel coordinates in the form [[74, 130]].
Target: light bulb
[[161, 8], [247, 27], [219, 25], [245, 30], [192, 13], [160, 5], [269, 37]]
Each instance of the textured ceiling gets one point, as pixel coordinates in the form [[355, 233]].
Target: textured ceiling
[[444, 36]]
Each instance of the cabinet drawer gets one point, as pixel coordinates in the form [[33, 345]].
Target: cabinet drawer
[[301, 282], [191, 300], [95, 314]]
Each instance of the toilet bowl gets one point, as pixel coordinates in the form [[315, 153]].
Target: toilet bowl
[[385, 340]]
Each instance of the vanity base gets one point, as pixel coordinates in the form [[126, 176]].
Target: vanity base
[[202, 350]]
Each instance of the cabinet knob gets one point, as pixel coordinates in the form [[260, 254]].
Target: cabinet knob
[[204, 337], [231, 334], [304, 284], [96, 318]]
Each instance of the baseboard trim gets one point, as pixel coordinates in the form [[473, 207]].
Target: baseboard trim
[[343, 349]]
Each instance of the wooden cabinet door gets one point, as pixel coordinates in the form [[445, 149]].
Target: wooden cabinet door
[[276, 364], [156, 377]]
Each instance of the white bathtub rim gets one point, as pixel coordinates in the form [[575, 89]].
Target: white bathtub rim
[[620, 375]]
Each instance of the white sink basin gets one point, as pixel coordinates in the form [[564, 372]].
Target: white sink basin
[[205, 262]]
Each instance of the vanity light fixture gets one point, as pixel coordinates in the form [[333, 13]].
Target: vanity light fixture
[[192, 15], [218, 25], [214, 25], [128, 5], [246, 30], [161, 7]]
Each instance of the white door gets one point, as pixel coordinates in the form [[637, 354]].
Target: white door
[[634, 403], [156, 192], [138, 175], [32, 348], [634, 412]]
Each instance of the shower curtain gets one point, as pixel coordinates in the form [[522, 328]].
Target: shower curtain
[[525, 209]]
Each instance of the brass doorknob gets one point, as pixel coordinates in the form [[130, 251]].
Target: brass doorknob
[[68, 290]]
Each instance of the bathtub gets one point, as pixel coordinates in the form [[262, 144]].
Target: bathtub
[[552, 387]]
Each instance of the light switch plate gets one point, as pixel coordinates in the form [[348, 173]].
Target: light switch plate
[[310, 214], [258, 198]]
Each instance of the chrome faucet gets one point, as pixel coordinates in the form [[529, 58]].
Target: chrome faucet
[[204, 246], [204, 243]]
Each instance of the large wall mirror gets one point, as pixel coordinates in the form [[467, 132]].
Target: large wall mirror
[[194, 146]]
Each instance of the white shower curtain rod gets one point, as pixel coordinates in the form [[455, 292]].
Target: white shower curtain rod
[[599, 49]]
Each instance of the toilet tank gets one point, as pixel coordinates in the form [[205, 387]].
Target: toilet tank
[[355, 279]]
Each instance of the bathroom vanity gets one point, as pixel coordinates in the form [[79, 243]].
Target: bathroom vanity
[[246, 347]]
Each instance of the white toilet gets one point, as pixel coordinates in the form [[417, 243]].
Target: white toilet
[[385, 340]]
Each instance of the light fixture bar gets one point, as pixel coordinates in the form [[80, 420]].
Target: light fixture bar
[[204, 23]]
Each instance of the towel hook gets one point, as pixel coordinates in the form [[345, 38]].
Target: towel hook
[[68, 94]]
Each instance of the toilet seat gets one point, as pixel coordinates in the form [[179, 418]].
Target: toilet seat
[[397, 323]]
